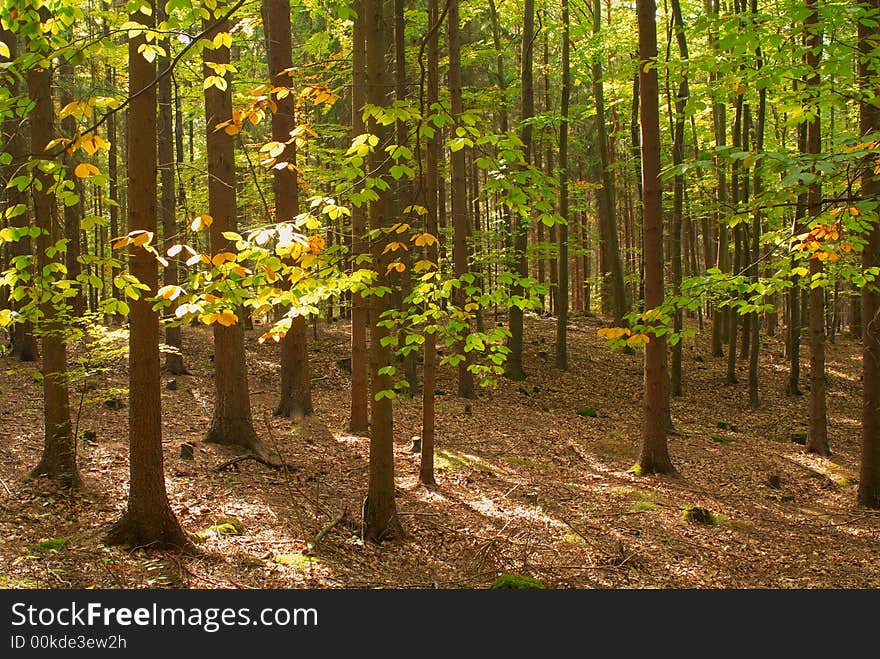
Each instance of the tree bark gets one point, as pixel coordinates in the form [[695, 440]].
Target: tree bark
[[562, 229], [231, 422], [380, 508], [654, 454], [148, 519]]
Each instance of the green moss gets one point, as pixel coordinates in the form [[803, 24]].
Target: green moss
[[644, 505], [697, 515], [574, 539], [636, 470], [451, 461], [587, 411], [298, 560], [49, 545], [516, 582], [513, 459], [718, 439]]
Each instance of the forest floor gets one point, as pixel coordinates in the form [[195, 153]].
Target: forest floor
[[525, 484]]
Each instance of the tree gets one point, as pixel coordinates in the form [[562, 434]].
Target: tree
[[818, 434], [459, 191], [231, 422], [296, 384], [359, 414], [869, 124], [168, 200], [148, 519], [654, 455], [59, 448], [380, 509], [518, 228], [562, 230]]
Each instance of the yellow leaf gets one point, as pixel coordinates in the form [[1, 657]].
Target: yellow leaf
[[221, 258], [638, 340], [170, 292], [201, 222], [424, 239], [140, 237], [395, 265], [393, 247], [226, 318], [121, 242], [85, 170]]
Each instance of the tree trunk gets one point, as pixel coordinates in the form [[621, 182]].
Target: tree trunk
[[432, 159], [818, 433], [148, 519], [359, 410], [296, 382], [59, 445], [459, 192], [518, 224], [231, 422], [654, 455], [869, 476], [73, 212], [168, 201], [24, 345], [562, 229], [380, 509]]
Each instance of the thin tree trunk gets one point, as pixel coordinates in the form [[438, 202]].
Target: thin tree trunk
[[380, 509], [359, 410], [818, 434], [654, 454], [296, 384], [148, 520], [231, 422], [562, 229]]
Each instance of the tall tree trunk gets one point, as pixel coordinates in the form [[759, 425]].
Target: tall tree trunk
[[818, 434], [24, 345], [359, 410], [73, 212], [755, 346], [606, 197], [654, 455], [432, 161], [869, 123], [148, 519], [518, 224], [231, 422], [296, 382], [59, 445], [794, 299], [562, 229], [380, 509], [459, 191], [733, 314], [678, 193], [168, 200]]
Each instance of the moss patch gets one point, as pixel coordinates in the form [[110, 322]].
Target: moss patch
[[298, 560], [49, 545], [451, 461], [697, 515], [516, 582]]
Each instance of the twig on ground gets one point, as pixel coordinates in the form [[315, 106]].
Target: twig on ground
[[312, 547]]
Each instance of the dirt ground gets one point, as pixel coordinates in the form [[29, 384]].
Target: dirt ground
[[526, 484]]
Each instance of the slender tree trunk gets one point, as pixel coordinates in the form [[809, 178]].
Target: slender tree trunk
[[606, 196], [818, 435], [654, 455], [231, 422], [148, 520], [459, 191], [562, 229], [359, 410], [59, 445], [519, 225], [755, 344], [380, 509], [24, 345], [795, 319], [296, 389], [168, 201], [432, 160], [869, 475], [73, 213], [678, 194]]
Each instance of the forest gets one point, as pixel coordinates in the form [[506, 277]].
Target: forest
[[433, 294]]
